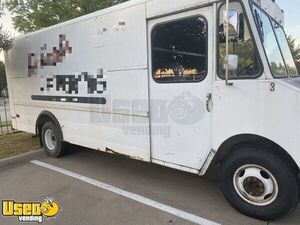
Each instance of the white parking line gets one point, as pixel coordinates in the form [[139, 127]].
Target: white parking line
[[177, 212]]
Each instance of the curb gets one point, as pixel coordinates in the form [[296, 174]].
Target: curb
[[23, 158]]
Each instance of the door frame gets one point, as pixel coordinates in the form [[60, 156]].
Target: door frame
[[211, 71]]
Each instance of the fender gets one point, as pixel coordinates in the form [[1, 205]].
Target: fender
[[45, 116]]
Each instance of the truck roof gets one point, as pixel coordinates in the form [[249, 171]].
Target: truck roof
[[155, 8]]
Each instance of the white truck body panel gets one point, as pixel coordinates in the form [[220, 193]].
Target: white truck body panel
[[112, 48], [95, 42]]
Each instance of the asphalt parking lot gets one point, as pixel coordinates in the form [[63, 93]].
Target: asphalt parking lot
[[97, 188]]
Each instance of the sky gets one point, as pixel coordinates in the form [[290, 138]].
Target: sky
[[292, 20]]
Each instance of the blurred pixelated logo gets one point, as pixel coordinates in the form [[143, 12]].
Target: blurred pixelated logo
[[57, 55], [80, 87], [31, 211]]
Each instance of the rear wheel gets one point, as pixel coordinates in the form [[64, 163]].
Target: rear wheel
[[51, 140], [258, 183]]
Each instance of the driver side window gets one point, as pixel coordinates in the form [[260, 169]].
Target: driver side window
[[241, 43]]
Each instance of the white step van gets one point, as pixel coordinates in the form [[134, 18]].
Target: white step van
[[181, 83]]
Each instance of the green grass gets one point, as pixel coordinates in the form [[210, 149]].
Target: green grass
[[5, 123], [17, 143]]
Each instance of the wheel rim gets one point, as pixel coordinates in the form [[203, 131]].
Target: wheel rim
[[50, 140], [255, 185]]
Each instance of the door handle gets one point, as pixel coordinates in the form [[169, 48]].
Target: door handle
[[208, 102]]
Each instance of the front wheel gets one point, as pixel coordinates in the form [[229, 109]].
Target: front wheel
[[258, 183], [51, 140]]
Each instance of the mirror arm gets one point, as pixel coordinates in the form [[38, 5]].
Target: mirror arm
[[227, 44]]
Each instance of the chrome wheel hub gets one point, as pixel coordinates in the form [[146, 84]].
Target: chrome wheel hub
[[255, 185], [50, 140]]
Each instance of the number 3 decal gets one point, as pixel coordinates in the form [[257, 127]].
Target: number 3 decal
[[272, 87]]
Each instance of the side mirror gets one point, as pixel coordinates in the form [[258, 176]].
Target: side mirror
[[233, 62], [234, 23]]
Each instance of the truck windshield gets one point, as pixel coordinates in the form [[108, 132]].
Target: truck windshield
[[276, 45]]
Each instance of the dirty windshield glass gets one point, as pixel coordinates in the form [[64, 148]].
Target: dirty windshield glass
[[276, 46], [284, 46]]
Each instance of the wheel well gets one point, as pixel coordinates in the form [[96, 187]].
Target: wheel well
[[237, 141], [44, 117]]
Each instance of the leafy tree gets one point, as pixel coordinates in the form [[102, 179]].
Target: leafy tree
[[5, 44], [5, 40], [31, 15], [295, 48]]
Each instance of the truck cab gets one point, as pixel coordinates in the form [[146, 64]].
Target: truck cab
[[262, 93]]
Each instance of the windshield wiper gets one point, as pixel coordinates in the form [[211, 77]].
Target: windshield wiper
[[260, 25]]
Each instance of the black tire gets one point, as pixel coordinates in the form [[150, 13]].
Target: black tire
[[283, 201], [57, 147]]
